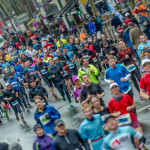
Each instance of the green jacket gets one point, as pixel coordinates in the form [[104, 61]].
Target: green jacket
[[92, 76]]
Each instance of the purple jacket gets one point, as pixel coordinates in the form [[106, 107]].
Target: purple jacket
[[76, 92], [43, 143]]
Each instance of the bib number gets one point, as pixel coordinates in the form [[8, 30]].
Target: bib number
[[71, 65], [65, 73], [94, 59], [124, 119], [14, 103], [131, 67], [43, 119], [86, 57]]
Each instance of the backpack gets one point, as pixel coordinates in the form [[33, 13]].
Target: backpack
[[144, 21]]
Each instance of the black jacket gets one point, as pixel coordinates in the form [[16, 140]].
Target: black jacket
[[38, 90], [71, 141]]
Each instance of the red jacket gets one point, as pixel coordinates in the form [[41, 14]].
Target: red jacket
[[91, 47], [48, 45]]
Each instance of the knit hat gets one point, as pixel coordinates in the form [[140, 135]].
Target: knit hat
[[136, 10], [37, 126]]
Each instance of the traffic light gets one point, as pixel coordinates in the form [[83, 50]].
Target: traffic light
[[79, 12]]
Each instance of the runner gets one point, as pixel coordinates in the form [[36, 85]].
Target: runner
[[120, 138], [88, 69], [45, 115], [43, 70], [42, 141], [59, 82], [37, 90], [68, 139], [90, 89], [91, 128], [126, 56], [119, 74], [12, 96]]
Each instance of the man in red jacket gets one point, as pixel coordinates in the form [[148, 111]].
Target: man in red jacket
[[48, 45]]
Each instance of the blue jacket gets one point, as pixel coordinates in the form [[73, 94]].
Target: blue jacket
[[47, 124], [15, 83], [92, 27], [126, 38], [69, 47], [115, 21], [18, 68], [18, 76]]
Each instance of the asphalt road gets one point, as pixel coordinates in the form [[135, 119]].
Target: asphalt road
[[14, 131]]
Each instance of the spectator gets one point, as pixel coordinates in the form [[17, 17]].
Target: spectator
[[143, 22], [134, 34], [115, 21], [142, 8], [144, 55], [144, 42]]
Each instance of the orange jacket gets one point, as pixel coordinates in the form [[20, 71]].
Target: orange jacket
[[82, 36], [142, 7]]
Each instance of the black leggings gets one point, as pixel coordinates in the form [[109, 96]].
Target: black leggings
[[16, 109], [62, 88], [135, 75]]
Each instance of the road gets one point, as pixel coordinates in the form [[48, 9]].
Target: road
[[11, 130]]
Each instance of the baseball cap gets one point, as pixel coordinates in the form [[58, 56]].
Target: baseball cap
[[7, 84], [58, 122], [145, 61], [74, 78], [32, 80], [36, 127], [113, 84], [127, 14], [107, 117]]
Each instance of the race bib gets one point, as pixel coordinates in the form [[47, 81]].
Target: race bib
[[94, 59], [65, 73], [131, 67], [124, 119], [71, 66], [14, 103], [86, 57], [14, 84], [43, 71], [43, 119]]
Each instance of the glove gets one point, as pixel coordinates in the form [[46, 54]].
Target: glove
[[47, 116]]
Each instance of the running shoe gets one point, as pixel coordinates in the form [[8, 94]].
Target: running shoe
[[64, 99], [70, 105], [1, 121], [24, 122], [17, 118], [55, 96], [28, 110], [23, 109], [6, 115]]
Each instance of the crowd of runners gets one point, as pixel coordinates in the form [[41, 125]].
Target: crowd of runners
[[74, 65]]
